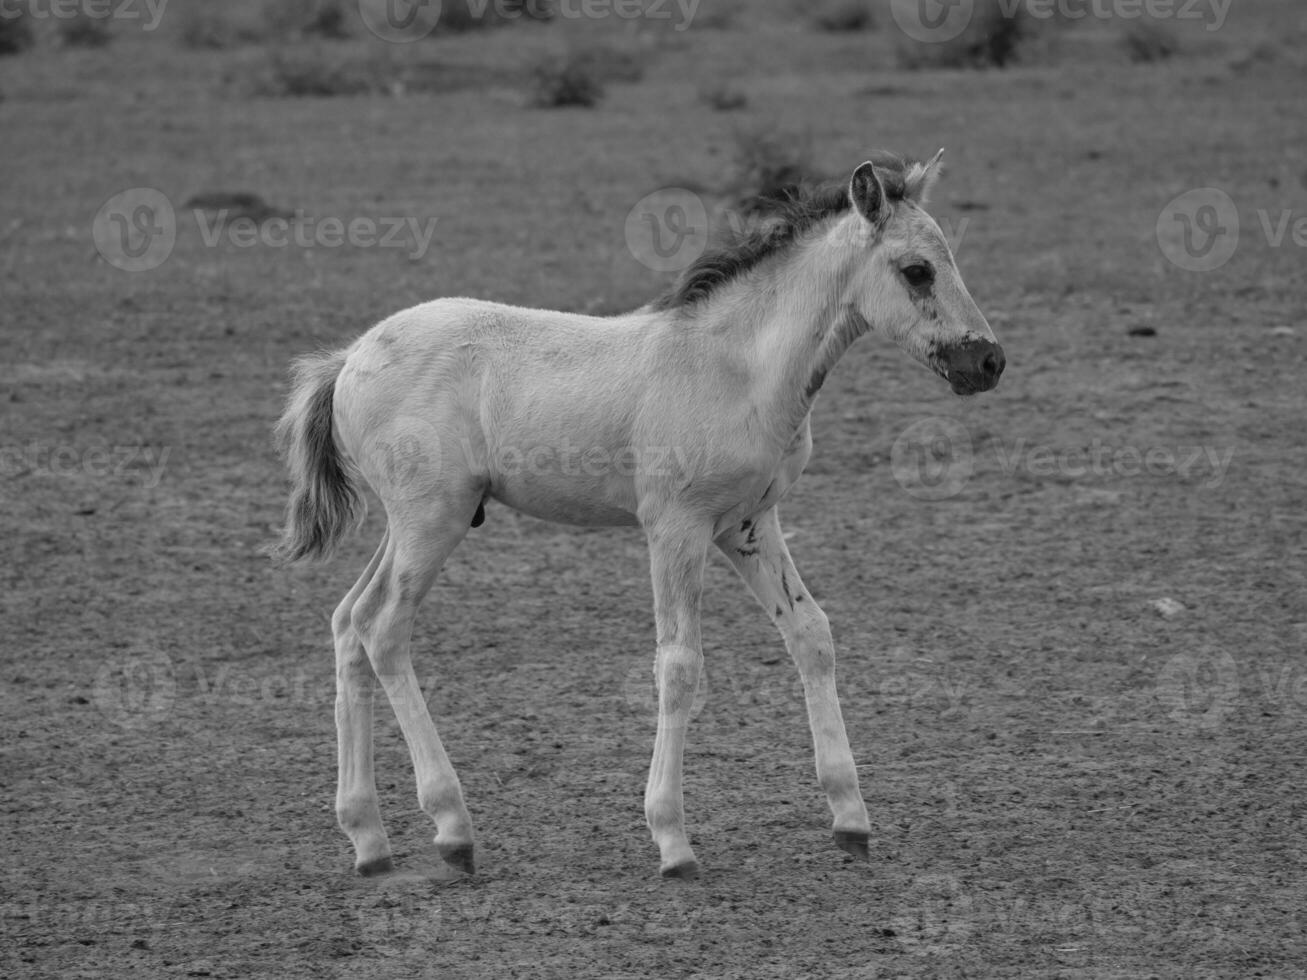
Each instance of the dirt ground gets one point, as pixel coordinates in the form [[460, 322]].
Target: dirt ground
[[1067, 775]]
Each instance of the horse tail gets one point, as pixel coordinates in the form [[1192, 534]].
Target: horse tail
[[324, 502]]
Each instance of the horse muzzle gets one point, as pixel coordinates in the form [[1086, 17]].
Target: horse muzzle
[[972, 366]]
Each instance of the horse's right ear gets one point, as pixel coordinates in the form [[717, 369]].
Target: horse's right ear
[[868, 195]]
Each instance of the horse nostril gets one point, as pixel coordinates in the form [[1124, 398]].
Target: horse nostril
[[990, 365]]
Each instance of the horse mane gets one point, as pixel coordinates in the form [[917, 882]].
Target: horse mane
[[777, 218]]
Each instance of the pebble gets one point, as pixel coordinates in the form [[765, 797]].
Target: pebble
[[1168, 608]]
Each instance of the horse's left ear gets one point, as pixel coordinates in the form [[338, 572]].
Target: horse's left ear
[[868, 195], [920, 179]]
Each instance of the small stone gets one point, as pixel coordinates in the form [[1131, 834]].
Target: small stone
[[1283, 332], [1168, 608]]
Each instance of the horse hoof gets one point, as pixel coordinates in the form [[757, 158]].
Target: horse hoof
[[686, 870], [853, 842], [457, 856], [376, 866]]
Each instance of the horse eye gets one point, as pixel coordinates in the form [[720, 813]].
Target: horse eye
[[919, 274]]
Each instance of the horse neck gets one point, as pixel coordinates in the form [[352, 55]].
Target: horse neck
[[795, 325]]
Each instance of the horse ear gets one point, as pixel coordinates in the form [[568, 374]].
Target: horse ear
[[868, 195], [920, 179]]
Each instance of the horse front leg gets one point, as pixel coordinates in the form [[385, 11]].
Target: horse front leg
[[757, 551], [677, 551]]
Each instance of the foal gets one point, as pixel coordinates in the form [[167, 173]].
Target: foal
[[687, 417]]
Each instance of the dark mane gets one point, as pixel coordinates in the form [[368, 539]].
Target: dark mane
[[774, 220]]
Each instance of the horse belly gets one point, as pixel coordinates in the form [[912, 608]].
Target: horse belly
[[581, 499]]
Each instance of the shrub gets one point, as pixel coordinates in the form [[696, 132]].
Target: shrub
[[723, 97], [213, 27], [569, 81], [844, 15], [721, 15], [15, 33], [84, 31], [309, 71], [992, 38], [1147, 41], [298, 18], [458, 16], [770, 165]]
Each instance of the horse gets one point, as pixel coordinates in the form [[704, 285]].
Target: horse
[[687, 417]]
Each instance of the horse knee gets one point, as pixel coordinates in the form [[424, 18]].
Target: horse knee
[[677, 671]]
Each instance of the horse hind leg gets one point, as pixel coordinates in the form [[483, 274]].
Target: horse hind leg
[[419, 540], [357, 809]]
